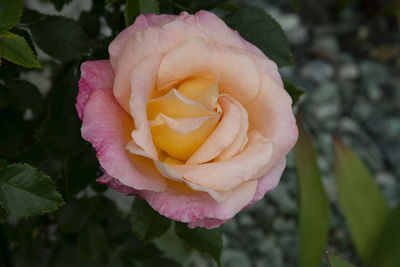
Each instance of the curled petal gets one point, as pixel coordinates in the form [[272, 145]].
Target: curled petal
[[226, 131], [143, 78], [240, 139], [226, 175], [237, 73], [181, 125]]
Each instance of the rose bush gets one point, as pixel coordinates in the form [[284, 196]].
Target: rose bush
[[187, 115]]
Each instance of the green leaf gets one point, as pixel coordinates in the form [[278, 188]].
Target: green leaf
[[74, 216], [25, 95], [314, 205], [5, 97], [25, 191], [295, 4], [10, 13], [263, 31], [61, 136], [387, 247], [147, 223], [205, 241], [292, 90], [133, 250], [158, 262], [15, 49], [335, 261], [3, 214], [91, 241], [362, 202], [134, 8], [59, 37]]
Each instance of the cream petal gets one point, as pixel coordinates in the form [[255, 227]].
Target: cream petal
[[241, 138], [238, 75], [181, 125], [271, 114], [142, 81], [226, 131], [226, 175]]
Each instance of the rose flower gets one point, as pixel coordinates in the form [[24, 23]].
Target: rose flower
[[187, 115]]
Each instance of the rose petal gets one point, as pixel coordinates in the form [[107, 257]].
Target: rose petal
[[143, 79], [226, 175], [200, 206], [269, 181], [222, 136], [142, 21], [240, 139], [108, 127], [181, 125], [271, 114], [234, 68], [94, 75]]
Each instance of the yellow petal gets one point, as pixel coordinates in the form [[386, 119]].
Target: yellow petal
[[200, 90], [182, 146], [175, 105]]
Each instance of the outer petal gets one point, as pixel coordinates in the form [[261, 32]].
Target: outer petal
[[200, 206], [143, 79], [271, 114], [108, 127], [221, 176], [269, 181], [264, 64], [95, 75], [141, 22]]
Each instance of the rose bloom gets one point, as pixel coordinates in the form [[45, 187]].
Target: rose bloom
[[187, 115]]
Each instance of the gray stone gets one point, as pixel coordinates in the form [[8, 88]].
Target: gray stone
[[373, 73], [235, 258], [348, 71], [318, 71]]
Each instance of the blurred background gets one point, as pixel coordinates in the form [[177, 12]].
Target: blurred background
[[346, 56]]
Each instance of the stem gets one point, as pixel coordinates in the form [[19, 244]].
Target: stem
[[5, 248]]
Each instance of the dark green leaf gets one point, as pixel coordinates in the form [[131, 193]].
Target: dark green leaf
[[15, 135], [91, 241], [26, 36], [5, 96], [147, 223], [81, 171], [335, 261], [295, 5], [74, 216], [15, 49], [25, 191], [263, 31], [314, 205], [158, 262], [90, 24], [134, 8], [59, 4], [3, 214], [30, 16], [133, 250], [59, 37], [205, 241], [292, 90], [10, 13], [26, 95], [386, 249], [61, 136], [362, 202]]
